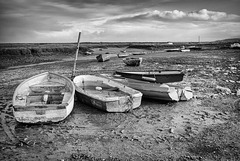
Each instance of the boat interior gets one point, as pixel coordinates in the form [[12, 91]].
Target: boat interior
[[43, 94], [46, 94], [99, 88]]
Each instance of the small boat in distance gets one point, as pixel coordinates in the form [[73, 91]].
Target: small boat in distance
[[88, 53], [105, 94], [139, 53], [132, 61], [185, 50], [181, 49], [103, 57], [161, 76], [194, 47], [46, 97], [235, 46], [173, 50], [123, 55]]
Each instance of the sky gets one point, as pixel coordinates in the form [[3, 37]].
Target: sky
[[60, 21]]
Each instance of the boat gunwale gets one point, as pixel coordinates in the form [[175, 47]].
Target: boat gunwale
[[110, 99], [45, 73], [152, 73]]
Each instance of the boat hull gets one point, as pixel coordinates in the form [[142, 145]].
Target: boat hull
[[185, 50], [121, 105], [103, 57], [235, 46], [98, 94], [43, 98], [154, 76], [42, 115], [173, 50], [195, 48], [150, 90], [138, 53], [132, 61], [123, 55], [165, 92]]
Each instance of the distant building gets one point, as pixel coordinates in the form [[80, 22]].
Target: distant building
[[169, 43]]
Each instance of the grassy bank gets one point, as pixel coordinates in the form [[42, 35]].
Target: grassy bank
[[30, 53]]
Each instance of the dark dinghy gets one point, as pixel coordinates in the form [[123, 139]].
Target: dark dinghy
[[164, 76], [132, 61], [103, 57]]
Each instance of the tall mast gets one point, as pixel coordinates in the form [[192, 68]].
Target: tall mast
[[75, 61]]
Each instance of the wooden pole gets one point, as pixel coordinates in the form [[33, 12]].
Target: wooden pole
[[75, 61]]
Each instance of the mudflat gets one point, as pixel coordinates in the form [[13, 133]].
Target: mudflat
[[206, 127]]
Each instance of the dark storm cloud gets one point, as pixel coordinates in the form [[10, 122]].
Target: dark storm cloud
[[54, 20]]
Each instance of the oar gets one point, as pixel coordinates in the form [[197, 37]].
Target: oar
[[75, 62]]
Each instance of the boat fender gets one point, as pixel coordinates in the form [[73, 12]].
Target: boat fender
[[99, 88]]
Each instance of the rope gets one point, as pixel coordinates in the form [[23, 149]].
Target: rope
[[130, 102]]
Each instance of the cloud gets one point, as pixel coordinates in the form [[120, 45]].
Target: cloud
[[164, 31], [166, 25], [168, 14], [204, 14], [176, 15]]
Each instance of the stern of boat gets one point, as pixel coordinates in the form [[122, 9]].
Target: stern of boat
[[41, 114]]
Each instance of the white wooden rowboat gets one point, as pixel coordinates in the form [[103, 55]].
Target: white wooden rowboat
[[105, 94], [45, 97]]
